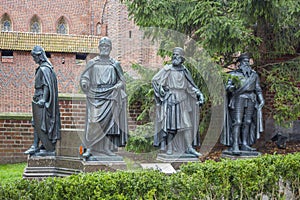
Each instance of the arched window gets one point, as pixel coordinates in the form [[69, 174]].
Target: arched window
[[35, 25], [6, 26], [6, 23], [62, 26], [98, 28]]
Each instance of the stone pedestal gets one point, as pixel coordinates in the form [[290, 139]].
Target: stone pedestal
[[69, 143], [166, 168], [176, 160], [68, 161], [243, 154], [59, 166]]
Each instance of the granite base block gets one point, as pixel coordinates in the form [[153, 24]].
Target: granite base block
[[176, 160], [59, 166], [241, 154]]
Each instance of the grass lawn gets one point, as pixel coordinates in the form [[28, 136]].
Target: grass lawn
[[11, 172]]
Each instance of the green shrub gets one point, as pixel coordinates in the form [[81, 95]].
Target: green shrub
[[250, 178], [141, 139], [227, 179]]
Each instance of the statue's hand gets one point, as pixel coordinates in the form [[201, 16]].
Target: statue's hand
[[261, 101], [261, 104], [84, 85], [200, 98], [231, 88], [163, 91], [41, 103]]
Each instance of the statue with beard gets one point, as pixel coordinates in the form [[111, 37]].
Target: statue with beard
[[243, 121], [103, 83], [177, 108]]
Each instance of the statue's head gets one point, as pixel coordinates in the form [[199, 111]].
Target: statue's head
[[178, 56], [39, 54], [243, 57], [244, 62], [105, 46]]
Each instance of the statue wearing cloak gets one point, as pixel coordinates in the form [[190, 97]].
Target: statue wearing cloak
[[177, 109], [50, 118], [45, 107], [243, 114], [103, 83]]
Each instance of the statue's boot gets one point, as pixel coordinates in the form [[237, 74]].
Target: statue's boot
[[170, 145], [246, 147], [235, 150], [87, 154], [163, 145], [235, 146], [32, 150], [245, 136], [107, 150], [188, 143], [35, 147], [191, 150]]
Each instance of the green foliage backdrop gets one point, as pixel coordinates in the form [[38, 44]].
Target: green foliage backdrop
[[269, 30]]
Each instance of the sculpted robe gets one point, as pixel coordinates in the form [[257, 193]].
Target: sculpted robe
[[177, 110], [49, 116], [106, 102]]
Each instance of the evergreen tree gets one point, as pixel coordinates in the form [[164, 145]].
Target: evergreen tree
[[268, 29]]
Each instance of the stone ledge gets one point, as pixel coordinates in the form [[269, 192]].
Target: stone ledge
[[70, 96], [15, 116]]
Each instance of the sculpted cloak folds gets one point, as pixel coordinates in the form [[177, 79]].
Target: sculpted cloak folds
[[49, 120], [177, 109], [106, 102], [249, 90]]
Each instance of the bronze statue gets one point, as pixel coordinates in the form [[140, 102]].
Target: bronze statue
[[243, 121], [177, 108], [103, 83], [45, 108]]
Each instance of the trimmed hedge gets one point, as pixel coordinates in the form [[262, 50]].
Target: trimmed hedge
[[239, 179]]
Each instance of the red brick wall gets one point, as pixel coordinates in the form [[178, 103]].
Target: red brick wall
[[16, 79], [16, 132], [83, 17], [16, 135], [72, 113], [268, 108], [133, 113], [78, 14]]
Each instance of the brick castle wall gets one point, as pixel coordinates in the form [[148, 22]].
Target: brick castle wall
[[17, 79], [16, 135], [16, 131], [17, 73], [77, 14]]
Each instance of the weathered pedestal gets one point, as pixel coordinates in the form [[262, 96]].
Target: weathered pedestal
[[67, 160], [177, 160], [243, 154], [58, 166]]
